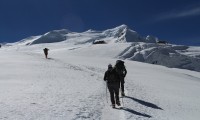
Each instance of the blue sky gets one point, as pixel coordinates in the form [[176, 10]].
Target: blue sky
[[176, 21]]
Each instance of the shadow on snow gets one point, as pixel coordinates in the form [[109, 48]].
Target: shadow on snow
[[134, 112], [147, 104]]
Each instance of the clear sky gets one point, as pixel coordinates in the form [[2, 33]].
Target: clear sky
[[176, 21]]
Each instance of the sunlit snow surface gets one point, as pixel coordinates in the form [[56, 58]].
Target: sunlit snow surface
[[69, 84]]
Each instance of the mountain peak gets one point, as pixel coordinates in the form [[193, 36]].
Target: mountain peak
[[117, 31], [121, 34], [123, 26]]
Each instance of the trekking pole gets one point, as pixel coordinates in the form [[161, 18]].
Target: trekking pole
[[106, 92], [122, 102], [122, 97]]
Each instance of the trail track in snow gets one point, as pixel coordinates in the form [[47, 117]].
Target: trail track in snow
[[87, 102]]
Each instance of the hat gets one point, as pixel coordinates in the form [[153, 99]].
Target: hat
[[109, 66]]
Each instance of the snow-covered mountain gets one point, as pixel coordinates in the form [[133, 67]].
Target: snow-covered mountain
[[120, 34], [69, 84], [138, 48]]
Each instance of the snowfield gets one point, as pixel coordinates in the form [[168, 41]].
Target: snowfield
[[69, 84]]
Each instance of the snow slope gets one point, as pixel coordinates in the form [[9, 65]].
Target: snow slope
[[69, 85]]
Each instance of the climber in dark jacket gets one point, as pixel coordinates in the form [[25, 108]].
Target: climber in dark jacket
[[46, 52], [113, 83]]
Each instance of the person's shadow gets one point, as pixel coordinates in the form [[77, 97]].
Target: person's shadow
[[50, 58], [134, 112], [147, 104]]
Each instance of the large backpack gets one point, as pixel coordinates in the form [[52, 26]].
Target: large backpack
[[120, 68], [113, 76]]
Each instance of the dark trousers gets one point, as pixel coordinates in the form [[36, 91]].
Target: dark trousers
[[46, 54], [122, 83], [114, 92]]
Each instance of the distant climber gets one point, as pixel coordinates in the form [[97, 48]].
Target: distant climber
[[113, 83], [46, 52], [121, 70]]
